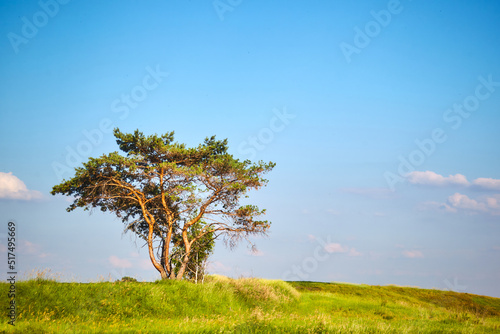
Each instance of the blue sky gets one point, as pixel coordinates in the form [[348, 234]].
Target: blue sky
[[382, 117]]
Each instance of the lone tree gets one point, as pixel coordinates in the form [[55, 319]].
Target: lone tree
[[178, 199]]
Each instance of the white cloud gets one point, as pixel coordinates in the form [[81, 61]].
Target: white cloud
[[434, 179], [218, 267], [354, 252], [493, 202], [119, 263], [413, 254], [336, 248], [430, 178], [12, 187], [29, 247], [487, 183], [26, 247], [461, 201]]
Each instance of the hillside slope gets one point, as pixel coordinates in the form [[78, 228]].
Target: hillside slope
[[223, 305]]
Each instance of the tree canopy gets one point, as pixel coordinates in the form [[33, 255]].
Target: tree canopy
[[178, 199]]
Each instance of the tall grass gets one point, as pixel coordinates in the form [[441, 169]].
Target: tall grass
[[224, 305]]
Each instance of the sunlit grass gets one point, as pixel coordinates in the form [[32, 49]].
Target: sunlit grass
[[224, 305]]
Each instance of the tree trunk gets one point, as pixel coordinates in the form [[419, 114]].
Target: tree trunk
[[157, 265], [182, 269], [165, 254], [196, 272]]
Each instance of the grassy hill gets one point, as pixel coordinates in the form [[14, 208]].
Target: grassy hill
[[223, 305]]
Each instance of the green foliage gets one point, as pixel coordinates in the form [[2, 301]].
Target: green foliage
[[185, 198], [127, 279], [200, 252], [225, 305]]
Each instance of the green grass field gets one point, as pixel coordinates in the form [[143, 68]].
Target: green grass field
[[223, 305]]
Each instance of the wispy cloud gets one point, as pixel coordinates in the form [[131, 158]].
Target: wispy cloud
[[462, 203], [218, 267], [117, 262], [413, 254], [311, 237], [459, 202], [429, 178], [434, 179], [354, 252], [336, 248], [487, 183], [12, 187], [31, 249], [437, 206], [488, 204]]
